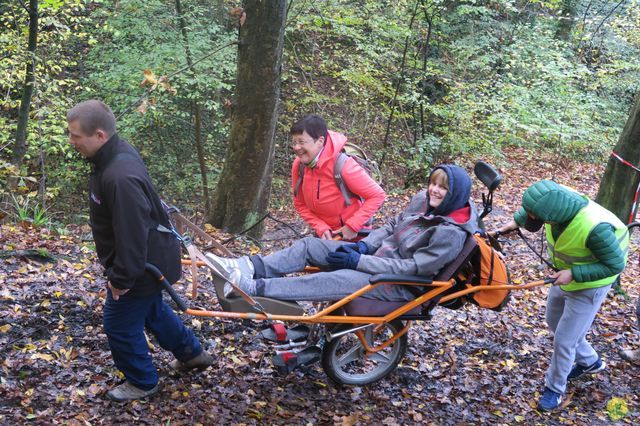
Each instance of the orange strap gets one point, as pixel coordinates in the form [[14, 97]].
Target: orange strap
[[191, 249]]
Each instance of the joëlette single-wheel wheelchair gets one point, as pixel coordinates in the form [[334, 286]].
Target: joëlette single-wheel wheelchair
[[359, 340]]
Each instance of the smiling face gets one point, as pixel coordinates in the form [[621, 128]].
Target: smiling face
[[438, 188], [85, 144], [306, 147]]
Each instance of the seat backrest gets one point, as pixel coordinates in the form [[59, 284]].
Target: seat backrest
[[451, 270], [373, 307]]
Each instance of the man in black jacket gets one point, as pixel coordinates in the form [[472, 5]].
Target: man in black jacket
[[130, 228]]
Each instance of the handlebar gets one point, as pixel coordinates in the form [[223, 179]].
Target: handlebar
[[166, 286]]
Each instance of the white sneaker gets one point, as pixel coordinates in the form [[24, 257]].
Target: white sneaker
[[228, 264], [235, 276]]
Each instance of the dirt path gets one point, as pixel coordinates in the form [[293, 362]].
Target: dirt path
[[466, 366]]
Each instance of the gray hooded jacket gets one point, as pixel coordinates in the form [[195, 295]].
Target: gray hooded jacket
[[415, 243]]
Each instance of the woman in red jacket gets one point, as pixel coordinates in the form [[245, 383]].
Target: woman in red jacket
[[318, 198]]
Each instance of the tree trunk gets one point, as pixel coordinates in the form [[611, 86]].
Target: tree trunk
[[244, 188], [620, 181], [29, 81]]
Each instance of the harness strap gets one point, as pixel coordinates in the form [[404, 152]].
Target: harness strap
[[182, 221], [280, 330], [191, 249], [337, 176], [526, 241]]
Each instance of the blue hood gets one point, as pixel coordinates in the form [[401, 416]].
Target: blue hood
[[459, 190]]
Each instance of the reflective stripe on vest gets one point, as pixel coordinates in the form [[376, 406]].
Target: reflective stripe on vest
[[570, 249]]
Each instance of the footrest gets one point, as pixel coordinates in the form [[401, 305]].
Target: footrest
[[286, 362], [280, 334]]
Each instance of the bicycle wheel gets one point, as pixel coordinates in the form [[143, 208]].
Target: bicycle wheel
[[345, 361]]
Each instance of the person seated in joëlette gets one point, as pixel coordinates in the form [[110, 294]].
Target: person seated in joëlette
[[428, 235]]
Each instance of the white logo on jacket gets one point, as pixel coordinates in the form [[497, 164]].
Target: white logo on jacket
[[95, 199]]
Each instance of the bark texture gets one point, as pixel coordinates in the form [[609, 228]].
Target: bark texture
[[243, 192]]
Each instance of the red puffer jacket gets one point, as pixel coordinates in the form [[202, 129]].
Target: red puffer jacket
[[319, 200]]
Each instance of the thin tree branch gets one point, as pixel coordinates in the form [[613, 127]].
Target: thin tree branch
[[152, 89]]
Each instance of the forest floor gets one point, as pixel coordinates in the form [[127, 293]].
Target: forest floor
[[469, 366]]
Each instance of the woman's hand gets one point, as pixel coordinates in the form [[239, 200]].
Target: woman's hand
[[327, 235], [347, 233]]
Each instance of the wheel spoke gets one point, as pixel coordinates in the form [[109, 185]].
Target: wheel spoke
[[351, 355], [380, 357]]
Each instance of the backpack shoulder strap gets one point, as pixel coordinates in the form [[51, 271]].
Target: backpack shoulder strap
[[337, 175], [296, 188]]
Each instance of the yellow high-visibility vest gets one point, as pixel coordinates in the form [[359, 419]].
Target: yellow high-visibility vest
[[570, 249]]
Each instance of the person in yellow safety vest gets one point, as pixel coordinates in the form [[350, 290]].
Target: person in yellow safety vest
[[588, 245]]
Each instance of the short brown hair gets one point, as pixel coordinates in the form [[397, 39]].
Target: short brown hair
[[313, 124], [93, 115], [440, 176]]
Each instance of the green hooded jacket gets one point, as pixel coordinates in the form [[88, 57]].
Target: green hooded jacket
[[557, 206]]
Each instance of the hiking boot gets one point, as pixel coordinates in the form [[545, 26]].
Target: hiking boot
[[229, 264], [550, 400], [631, 356], [580, 370], [128, 392], [200, 362]]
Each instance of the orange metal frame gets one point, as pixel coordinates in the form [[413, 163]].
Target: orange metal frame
[[323, 316]]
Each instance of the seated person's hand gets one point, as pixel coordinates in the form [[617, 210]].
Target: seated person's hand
[[326, 235], [360, 247], [347, 259]]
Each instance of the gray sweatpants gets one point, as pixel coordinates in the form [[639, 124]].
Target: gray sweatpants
[[570, 315], [321, 286]]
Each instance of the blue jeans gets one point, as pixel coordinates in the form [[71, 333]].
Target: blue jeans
[[124, 322]]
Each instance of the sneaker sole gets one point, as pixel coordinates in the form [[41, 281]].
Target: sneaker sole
[[220, 270], [148, 395]]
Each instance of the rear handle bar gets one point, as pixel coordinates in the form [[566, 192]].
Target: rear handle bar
[[166, 286]]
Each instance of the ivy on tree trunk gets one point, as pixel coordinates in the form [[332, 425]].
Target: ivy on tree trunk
[[244, 188]]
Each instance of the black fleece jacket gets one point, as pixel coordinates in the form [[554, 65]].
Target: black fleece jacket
[[125, 211]]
